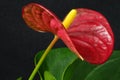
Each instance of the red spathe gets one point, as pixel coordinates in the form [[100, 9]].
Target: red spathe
[[89, 35]]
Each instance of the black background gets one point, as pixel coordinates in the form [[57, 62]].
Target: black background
[[19, 44]]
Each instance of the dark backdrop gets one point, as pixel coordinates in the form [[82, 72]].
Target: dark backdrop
[[19, 44]]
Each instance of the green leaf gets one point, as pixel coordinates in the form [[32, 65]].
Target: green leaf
[[108, 71], [20, 78], [115, 54], [56, 62], [78, 70], [62, 64], [48, 76]]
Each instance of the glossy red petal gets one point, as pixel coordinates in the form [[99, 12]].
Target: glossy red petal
[[39, 18], [89, 36], [92, 36]]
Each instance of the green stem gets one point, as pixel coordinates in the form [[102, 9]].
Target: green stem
[[43, 57]]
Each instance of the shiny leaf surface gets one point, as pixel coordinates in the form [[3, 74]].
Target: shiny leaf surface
[[64, 65]]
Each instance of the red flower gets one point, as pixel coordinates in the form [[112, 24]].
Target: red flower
[[89, 35]]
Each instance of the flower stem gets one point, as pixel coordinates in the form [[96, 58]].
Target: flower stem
[[43, 57]]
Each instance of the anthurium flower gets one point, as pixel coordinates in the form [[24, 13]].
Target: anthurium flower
[[89, 35]]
